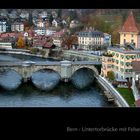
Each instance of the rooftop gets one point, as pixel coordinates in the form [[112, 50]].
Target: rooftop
[[90, 33], [130, 24], [122, 50]]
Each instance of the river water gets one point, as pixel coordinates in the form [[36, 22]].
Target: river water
[[63, 95]]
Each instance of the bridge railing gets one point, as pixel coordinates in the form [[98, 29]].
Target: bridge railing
[[113, 91]]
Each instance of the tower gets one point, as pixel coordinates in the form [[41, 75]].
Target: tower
[[130, 32]]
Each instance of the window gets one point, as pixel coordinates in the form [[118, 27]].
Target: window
[[117, 61], [132, 40], [127, 57], [122, 56], [113, 60], [122, 63], [117, 54], [113, 53], [133, 56], [128, 63], [122, 70], [128, 70], [124, 41], [116, 67]]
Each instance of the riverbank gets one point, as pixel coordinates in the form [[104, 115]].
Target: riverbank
[[127, 95], [118, 99]]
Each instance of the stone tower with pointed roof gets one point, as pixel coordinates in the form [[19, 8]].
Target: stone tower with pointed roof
[[130, 32]]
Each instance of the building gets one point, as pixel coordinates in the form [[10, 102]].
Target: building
[[40, 23], [17, 26], [89, 39], [58, 38], [50, 32], [54, 23], [43, 14], [40, 30], [106, 64], [107, 39], [130, 33], [42, 41], [136, 81], [121, 63], [3, 26], [74, 24]]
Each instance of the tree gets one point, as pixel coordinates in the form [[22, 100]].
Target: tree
[[111, 75], [73, 15], [59, 13], [30, 17], [69, 40], [20, 43], [51, 19]]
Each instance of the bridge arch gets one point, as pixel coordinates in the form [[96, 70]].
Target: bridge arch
[[53, 68], [15, 69], [92, 67], [47, 70], [45, 79]]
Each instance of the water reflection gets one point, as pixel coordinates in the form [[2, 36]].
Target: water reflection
[[82, 78], [45, 79], [64, 95], [9, 79]]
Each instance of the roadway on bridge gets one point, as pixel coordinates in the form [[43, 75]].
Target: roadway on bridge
[[39, 63]]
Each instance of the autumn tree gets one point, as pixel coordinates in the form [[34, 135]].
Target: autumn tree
[[69, 40], [20, 43], [111, 75]]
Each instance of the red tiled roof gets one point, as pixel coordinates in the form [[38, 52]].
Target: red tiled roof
[[130, 25], [136, 66], [137, 103], [58, 34]]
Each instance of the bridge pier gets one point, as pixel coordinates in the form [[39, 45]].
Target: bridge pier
[[66, 70], [65, 80], [25, 80]]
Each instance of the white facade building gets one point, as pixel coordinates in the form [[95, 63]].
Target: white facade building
[[17, 26], [2, 26], [40, 31], [5, 45], [89, 39]]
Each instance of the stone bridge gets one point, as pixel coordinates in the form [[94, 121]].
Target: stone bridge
[[65, 68]]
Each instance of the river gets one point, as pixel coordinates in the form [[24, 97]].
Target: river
[[63, 95]]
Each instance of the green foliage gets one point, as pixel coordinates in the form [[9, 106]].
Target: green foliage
[[59, 13], [51, 19], [42, 52], [105, 23], [73, 15], [34, 50]]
